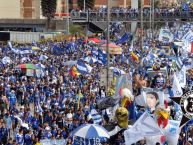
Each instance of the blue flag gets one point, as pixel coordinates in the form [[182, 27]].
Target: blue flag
[[57, 50], [71, 47], [102, 56], [185, 7], [123, 39], [83, 68]]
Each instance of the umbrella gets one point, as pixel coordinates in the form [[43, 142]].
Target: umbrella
[[27, 66], [90, 60], [6, 60], [113, 48], [90, 131], [95, 40], [35, 48]]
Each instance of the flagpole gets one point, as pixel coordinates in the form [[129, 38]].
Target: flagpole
[[107, 49], [153, 19], [150, 19], [142, 25]]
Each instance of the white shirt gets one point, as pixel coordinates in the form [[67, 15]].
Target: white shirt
[[69, 115]]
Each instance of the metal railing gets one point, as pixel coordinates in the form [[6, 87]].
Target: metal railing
[[131, 16]]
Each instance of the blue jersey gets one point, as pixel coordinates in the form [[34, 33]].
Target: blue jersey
[[28, 139], [19, 139]]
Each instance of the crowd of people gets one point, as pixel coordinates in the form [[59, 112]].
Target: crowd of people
[[53, 103], [128, 14]]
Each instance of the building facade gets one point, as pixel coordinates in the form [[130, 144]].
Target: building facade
[[30, 9], [10, 9], [20, 9], [113, 3]]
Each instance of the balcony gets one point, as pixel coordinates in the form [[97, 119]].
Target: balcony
[[129, 17]]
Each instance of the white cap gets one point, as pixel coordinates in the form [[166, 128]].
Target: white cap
[[47, 128]]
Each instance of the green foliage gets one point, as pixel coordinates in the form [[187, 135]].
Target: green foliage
[[157, 4], [88, 4], [75, 29], [48, 8]]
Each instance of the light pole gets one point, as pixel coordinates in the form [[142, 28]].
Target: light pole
[[142, 25], [153, 18], [67, 11], [107, 45], [150, 17], [84, 5]]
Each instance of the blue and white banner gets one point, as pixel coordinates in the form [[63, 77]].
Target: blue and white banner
[[172, 132], [176, 87], [83, 68], [17, 51], [97, 118], [166, 36], [181, 75], [123, 81], [188, 36], [117, 71]]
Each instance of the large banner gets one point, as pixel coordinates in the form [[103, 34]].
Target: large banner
[[124, 81], [166, 36]]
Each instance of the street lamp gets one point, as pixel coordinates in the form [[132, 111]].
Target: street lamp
[[67, 11]]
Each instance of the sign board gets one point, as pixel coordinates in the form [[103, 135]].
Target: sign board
[[166, 36], [123, 81]]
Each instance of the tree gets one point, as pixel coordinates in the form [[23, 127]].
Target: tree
[[48, 9], [76, 30], [88, 4]]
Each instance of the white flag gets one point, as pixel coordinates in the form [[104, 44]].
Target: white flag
[[145, 126], [9, 44], [152, 140], [165, 35], [181, 75], [172, 131], [23, 124], [176, 88]]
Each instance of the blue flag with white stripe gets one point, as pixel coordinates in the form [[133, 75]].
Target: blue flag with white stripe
[[83, 68], [39, 109], [97, 118], [102, 56]]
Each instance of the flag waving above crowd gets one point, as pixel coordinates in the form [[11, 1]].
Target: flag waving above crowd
[[91, 90]]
